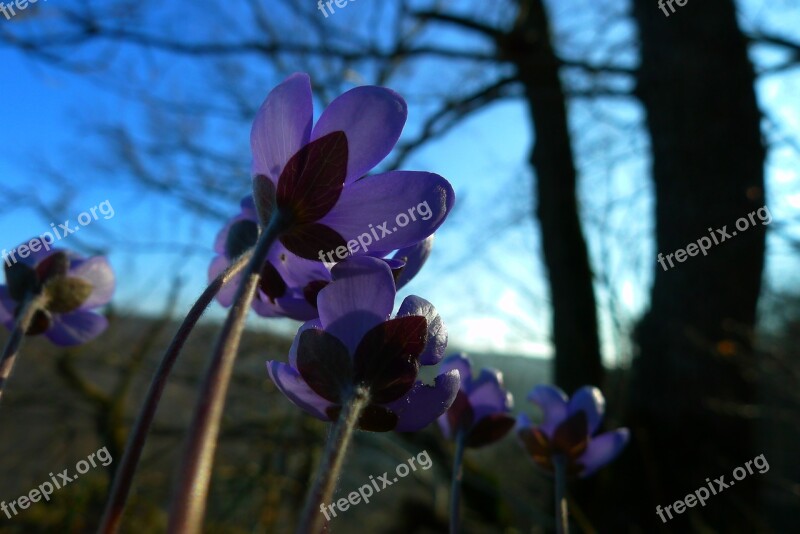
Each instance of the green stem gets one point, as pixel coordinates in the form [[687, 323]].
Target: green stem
[[312, 520], [9, 357], [191, 490], [123, 480], [455, 489], [562, 512]]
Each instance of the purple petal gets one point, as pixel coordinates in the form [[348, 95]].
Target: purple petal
[[590, 400], [553, 403], [7, 307], [282, 126], [460, 363], [228, 291], [423, 404], [488, 395], [315, 324], [372, 118], [291, 384], [603, 449], [97, 272], [414, 257], [437, 333], [360, 297], [76, 328], [247, 213], [393, 210]]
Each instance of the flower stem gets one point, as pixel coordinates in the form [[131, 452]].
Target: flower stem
[[29, 308], [123, 480], [191, 490], [562, 512], [312, 520], [455, 490]]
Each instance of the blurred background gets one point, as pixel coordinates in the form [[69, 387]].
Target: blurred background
[[583, 138]]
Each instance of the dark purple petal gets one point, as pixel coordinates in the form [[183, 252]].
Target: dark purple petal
[[571, 437], [242, 235], [312, 241], [589, 400], [490, 429], [460, 363], [325, 364], [401, 207], [57, 264], [424, 404], [372, 118], [248, 213], [361, 297], [459, 416], [312, 289], [32, 259], [282, 125], [537, 444], [22, 281], [76, 328], [312, 324], [386, 360], [488, 395], [97, 272], [553, 403], [437, 333], [374, 418], [291, 384], [312, 180], [414, 257], [271, 283], [603, 449]]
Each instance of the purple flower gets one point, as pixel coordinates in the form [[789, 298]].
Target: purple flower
[[354, 344], [481, 407], [315, 177], [568, 430], [289, 284], [72, 286]]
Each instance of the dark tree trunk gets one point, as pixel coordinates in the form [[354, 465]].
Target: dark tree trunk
[[688, 410], [575, 337]]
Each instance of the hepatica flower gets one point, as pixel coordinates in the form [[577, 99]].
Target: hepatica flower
[[72, 287], [289, 284], [356, 345], [568, 429], [480, 411], [313, 178]]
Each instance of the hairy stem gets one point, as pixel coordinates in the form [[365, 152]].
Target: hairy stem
[[313, 518], [455, 489], [562, 512], [29, 308], [191, 491], [126, 470]]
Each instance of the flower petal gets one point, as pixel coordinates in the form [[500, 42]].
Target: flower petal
[[414, 257], [553, 403], [490, 429], [437, 333], [308, 325], [603, 449], [401, 208], [76, 328], [97, 272], [461, 363], [282, 126], [588, 399], [424, 403], [360, 297], [324, 364], [291, 384], [488, 395], [372, 118]]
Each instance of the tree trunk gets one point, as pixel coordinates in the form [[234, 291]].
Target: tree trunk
[[574, 321], [690, 394]]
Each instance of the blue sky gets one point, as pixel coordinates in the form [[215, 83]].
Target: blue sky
[[485, 276]]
